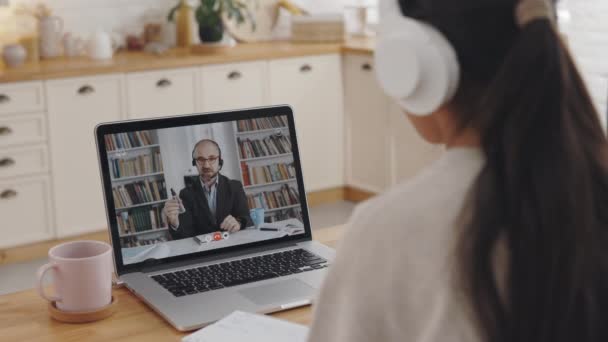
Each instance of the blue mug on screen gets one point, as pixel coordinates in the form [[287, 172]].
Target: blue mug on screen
[[257, 215]]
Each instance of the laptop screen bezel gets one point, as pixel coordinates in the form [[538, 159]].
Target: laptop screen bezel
[[182, 121]]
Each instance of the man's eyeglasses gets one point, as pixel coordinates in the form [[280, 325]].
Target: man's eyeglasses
[[202, 161]]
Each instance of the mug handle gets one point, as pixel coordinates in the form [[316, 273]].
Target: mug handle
[[40, 275]]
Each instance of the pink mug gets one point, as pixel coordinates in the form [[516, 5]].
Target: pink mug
[[82, 275]]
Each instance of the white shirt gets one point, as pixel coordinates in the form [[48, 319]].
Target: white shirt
[[393, 278]]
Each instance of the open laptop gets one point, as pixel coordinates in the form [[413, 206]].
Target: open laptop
[[207, 213]]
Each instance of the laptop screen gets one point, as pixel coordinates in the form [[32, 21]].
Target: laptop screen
[[192, 188]]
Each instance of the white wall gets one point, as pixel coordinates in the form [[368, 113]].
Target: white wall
[[586, 26]]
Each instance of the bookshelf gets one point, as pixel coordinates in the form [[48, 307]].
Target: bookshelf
[[138, 187], [267, 170]]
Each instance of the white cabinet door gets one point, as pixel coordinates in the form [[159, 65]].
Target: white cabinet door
[[312, 86], [409, 152], [161, 93], [25, 207], [75, 107], [366, 116], [233, 86], [21, 97]]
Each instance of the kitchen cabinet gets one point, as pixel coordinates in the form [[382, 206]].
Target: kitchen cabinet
[[161, 93], [75, 107], [312, 86], [232, 86], [25, 207], [25, 202], [367, 126]]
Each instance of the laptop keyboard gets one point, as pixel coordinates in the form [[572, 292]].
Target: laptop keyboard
[[238, 272]]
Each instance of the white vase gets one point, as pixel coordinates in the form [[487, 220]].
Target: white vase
[[100, 45], [14, 55], [51, 33]]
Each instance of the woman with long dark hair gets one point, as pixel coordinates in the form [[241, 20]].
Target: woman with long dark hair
[[504, 238]]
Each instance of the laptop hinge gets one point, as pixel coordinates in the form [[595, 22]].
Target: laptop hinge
[[156, 266]]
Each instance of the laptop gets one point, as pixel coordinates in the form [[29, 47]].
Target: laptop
[[207, 214]]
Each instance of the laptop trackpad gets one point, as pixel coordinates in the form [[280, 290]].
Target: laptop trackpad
[[280, 292]]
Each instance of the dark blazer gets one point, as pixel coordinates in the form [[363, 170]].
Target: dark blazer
[[197, 220]]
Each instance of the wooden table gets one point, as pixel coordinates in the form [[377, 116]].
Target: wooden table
[[24, 316]]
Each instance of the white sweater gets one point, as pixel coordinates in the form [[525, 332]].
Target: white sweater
[[393, 278]]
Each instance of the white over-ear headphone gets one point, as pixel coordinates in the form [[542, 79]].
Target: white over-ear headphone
[[415, 64]]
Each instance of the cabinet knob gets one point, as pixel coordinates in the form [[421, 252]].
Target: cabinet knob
[[163, 83], [8, 194], [4, 98], [234, 75], [366, 67], [305, 68], [5, 130], [85, 90], [6, 162]]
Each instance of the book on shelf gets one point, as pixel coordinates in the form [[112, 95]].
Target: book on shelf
[[140, 192], [283, 197], [271, 145], [258, 175], [262, 123], [136, 166], [121, 141], [140, 220]]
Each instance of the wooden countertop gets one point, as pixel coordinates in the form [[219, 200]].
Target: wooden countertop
[[24, 316], [139, 61]]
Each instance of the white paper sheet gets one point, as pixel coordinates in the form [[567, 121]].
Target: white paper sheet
[[242, 326]]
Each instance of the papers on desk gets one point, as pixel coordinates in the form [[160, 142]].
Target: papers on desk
[[242, 326]]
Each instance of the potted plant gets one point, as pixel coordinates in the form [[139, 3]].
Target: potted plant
[[209, 15]]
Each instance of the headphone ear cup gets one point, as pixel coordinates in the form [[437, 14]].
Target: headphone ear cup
[[193, 162], [221, 162], [416, 66]]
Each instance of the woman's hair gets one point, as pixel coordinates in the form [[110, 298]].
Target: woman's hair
[[543, 192]]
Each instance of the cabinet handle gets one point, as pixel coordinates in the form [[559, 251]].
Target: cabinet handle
[[86, 90], [234, 75], [6, 162], [163, 83], [4, 98], [8, 194], [366, 67], [5, 130], [305, 68]]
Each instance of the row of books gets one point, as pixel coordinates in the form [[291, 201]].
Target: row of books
[[283, 197], [268, 146], [261, 123], [137, 166], [145, 191], [254, 175], [139, 220], [121, 141], [133, 241], [286, 214]]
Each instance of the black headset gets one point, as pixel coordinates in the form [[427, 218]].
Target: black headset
[[221, 161]]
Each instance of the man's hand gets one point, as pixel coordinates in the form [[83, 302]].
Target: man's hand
[[171, 212], [230, 224]]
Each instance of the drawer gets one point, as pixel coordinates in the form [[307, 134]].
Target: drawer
[[23, 161], [221, 84], [21, 97], [25, 210], [21, 129], [161, 93]]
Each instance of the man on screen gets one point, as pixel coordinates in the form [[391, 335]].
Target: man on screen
[[213, 203]]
